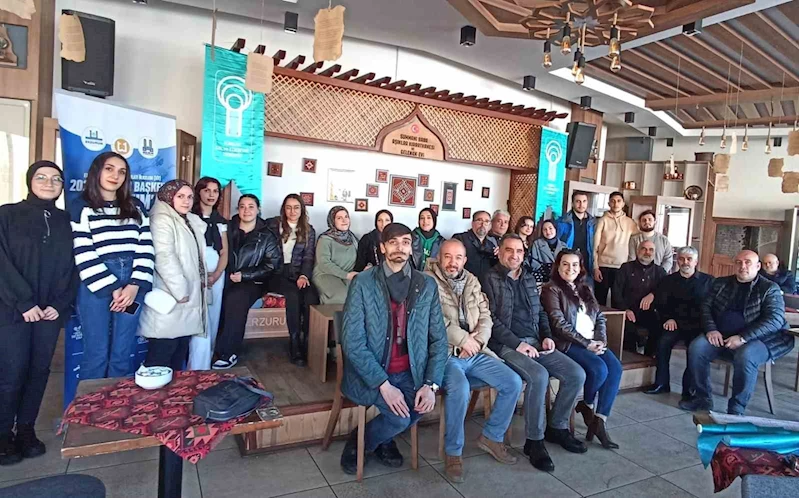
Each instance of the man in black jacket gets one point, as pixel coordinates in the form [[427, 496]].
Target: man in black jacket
[[632, 290], [521, 336], [481, 248], [772, 271], [744, 322], [678, 300]]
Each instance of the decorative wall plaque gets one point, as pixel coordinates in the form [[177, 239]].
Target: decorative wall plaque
[[372, 190], [309, 165], [361, 205], [448, 196], [307, 198], [403, 191], [429, 195], [412, 138], [274, 169]]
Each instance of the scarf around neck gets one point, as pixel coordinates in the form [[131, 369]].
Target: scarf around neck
[[399, 283], [344, 237]]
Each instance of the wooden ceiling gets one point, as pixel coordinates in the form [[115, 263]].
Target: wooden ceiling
[[742, 71]]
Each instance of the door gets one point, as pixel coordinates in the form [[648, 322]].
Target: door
[[187, 148]]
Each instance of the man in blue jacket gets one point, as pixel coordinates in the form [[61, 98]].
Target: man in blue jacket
[[395, 347], [576, 229]]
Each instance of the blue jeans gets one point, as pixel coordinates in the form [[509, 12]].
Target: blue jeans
[[482, 369], [602, 376], [746, 361], [384, 427], [109, 339]]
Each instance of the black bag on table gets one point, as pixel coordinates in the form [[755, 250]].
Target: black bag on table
[[230, 399]]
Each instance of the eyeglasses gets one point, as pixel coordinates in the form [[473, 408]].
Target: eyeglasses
[[53, 180]]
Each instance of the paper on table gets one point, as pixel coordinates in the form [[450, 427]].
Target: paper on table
[[328, 34], [70, 34], [21, 8], [260, 69], [775, 167]]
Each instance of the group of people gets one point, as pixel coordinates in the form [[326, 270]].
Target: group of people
[[478, 315]]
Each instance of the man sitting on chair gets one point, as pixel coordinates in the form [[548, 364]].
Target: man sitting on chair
[[468, 322], [395, 346], [743, 318]]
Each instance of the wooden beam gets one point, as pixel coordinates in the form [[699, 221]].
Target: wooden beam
[[677, 76], [710, 113], [774, 27], [396, 84], [425, 91], [409, 88], [750, 111], [606, 76], [687, 116], [745, 96], [719, 123], [295, 62], [702, 43], [349, 74], [364, 78], [765, 55], [380, 81], [451, 97], [696, 64], [331, 70], [279, 56], [628, 67], [439, 93], [311, 68]]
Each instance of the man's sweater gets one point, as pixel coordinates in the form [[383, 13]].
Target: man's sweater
[[612, 239]]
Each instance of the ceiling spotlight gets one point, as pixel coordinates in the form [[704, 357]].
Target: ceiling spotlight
[[629, 117], [468, 36], [585, 102], [653, 131], [547, 63], [669, 142], [702, 137], [566, 40], [290, 23], [777, 141], [692, 28], [529, 83]]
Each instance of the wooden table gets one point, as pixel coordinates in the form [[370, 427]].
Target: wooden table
[[615, 329], [795, 332], [320, 319], [84, 441]]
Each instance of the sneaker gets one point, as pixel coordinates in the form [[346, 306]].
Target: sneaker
[[539, 456], [454, 468], [388, 454], [28, 444], [221, 364], [564, 438], [696, 405], [9, 454], [497, 450]]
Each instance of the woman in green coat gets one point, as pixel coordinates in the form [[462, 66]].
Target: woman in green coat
[[336, 252]]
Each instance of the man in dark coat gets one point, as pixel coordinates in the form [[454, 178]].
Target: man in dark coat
[[395, 347], [744, 322], [481, 248], [772, 271]]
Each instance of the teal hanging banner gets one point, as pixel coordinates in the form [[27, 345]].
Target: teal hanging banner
[[551, 175], [233, 123]]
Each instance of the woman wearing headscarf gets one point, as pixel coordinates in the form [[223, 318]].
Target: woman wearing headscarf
[[336, 252], [543, 252], [426, 239], [369, 253], [179, 243], [38, 285]]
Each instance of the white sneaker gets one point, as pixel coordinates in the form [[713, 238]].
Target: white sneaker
[[221, 364]]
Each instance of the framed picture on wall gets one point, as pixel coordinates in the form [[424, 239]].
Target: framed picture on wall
[[468, 185], [434, 208], [429, 195], [339, 185], [361, 205], [486, 192], [381, 176], [424, 180], [372, 190], [467, 213], [309, 165], [448, 196], [403, 191], [307, 198], [274, 169]]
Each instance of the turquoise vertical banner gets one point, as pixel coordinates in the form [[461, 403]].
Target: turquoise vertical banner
[[551, 175], [233, 123]]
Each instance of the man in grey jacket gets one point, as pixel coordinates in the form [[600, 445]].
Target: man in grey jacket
[[664, 254]]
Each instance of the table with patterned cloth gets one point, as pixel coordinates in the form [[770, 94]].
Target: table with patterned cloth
[[730, 463]]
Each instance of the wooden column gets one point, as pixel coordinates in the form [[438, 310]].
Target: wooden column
[[589, 116]]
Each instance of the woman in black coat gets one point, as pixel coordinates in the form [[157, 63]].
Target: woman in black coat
[[369, 246], [37, 288]]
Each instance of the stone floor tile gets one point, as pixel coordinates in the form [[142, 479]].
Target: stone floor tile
[[329, 462], [699, 482], [426, 483], [654, 451]]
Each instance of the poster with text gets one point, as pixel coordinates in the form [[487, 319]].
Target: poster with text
[[89, 127], [233, 123], [551, 175]]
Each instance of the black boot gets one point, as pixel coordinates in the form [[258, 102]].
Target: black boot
[[349, 457], [539, 457], [27, 442], [389, 454], [598, 429], [565, 438], [295, 354], [9, 454], [586, 411]]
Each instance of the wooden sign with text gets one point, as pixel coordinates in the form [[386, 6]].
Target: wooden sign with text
[[413, 139]]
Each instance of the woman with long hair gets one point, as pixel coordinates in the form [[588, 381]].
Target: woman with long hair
[[115, 259], [207, 195], [579, 329], [369, 253], [426, 239], [37, 288], [336, 252], [543, 251], [525, 228], [254, 258], [179, 242], [298, 245]]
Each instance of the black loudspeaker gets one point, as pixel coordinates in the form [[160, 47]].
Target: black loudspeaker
[[581, 141], [95, 75]]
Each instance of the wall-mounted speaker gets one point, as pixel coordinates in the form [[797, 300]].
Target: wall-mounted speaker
[[95, 75], [581, 141]]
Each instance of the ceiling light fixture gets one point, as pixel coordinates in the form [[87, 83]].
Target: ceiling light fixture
[[653, 131], [529, 83], [670, 142], [566, 39], [580, 77], [702, 137], [629, 117], [468, 36], [615, 63], [745, 143], [575, 67], [547, 63], [777, 141], [768, 140], [291, 22]]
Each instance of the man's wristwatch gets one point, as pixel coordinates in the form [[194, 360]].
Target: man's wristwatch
[[433, 386]]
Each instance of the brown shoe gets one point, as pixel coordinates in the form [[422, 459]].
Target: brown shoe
[[497, 450], [454, 468]]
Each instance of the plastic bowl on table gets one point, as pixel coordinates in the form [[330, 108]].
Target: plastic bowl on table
[[153, 377]]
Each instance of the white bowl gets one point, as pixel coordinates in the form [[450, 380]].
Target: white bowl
[[153, 377]]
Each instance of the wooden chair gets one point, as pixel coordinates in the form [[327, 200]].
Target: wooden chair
[[766, 380], [338, 403]]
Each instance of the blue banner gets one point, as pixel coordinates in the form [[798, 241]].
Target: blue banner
[[233, 123], [90, 127], [551, 175]]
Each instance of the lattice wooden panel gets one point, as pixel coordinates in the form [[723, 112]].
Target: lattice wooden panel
[[314, 110], [484, 139], [522, 195]]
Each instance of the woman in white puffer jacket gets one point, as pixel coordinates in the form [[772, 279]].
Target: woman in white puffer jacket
[[179, 241]]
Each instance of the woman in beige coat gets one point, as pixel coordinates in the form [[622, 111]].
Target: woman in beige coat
[[178, 240]]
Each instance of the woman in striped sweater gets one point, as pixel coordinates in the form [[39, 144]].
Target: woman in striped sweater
[[115, 259]]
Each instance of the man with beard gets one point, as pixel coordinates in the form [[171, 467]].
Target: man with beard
[[634, 282], [481, 248], [522, 338], [500, 222], [744, 322], [664, 254], [576, 230], [611, 246], [395, 348], [468, 322], [678, 302]]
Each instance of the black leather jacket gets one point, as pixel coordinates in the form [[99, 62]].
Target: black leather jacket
[[563, 317], [257, 255]]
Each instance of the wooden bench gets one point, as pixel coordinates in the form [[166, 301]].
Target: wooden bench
[[320, 335]]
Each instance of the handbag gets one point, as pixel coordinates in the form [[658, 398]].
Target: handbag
[[230, 399]]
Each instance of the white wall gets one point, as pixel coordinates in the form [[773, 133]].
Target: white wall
[[753, 194]]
